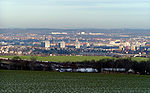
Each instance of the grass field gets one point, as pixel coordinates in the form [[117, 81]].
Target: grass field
[[73, 58], [56, 82], [63, 58]]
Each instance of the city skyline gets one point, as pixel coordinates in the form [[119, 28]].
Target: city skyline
[[74, 14]]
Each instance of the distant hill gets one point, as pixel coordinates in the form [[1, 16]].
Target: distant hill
[[47, 30]]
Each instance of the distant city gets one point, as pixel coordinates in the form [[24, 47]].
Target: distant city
[[75, 42]]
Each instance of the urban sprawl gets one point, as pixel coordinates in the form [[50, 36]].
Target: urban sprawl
[[74, 42]]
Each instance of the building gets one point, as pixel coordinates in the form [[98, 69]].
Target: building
[[133, 47], [77, 43], [61, 44], [47, 44], [110, 70]]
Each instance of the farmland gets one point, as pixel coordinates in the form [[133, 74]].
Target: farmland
[[73, 58], [12, 81]]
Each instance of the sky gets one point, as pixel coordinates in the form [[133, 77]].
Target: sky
[[74, 13]]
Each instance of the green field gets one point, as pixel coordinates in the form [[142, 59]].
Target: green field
[[63, 58], [73, 58], [56, 82]]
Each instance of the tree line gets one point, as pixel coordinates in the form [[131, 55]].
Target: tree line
[[17, 63]]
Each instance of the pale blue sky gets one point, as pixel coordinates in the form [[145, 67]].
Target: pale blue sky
[[75, 13]]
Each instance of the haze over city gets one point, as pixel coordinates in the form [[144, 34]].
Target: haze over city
[[74, 14], [74, 46]]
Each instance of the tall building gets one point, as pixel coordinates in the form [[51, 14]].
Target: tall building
[[133, 47], [121, 48], [47, 43], [77, 43], [61, 44]]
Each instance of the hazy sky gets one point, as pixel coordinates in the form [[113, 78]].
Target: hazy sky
[[75, 13]]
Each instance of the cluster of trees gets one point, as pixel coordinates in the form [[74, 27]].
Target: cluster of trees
[[142, 67], [33, 64], [16, 63]]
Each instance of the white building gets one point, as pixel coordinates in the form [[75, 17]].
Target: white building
[[77, 45], [62, 44], [47, 44], [82, 33]]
